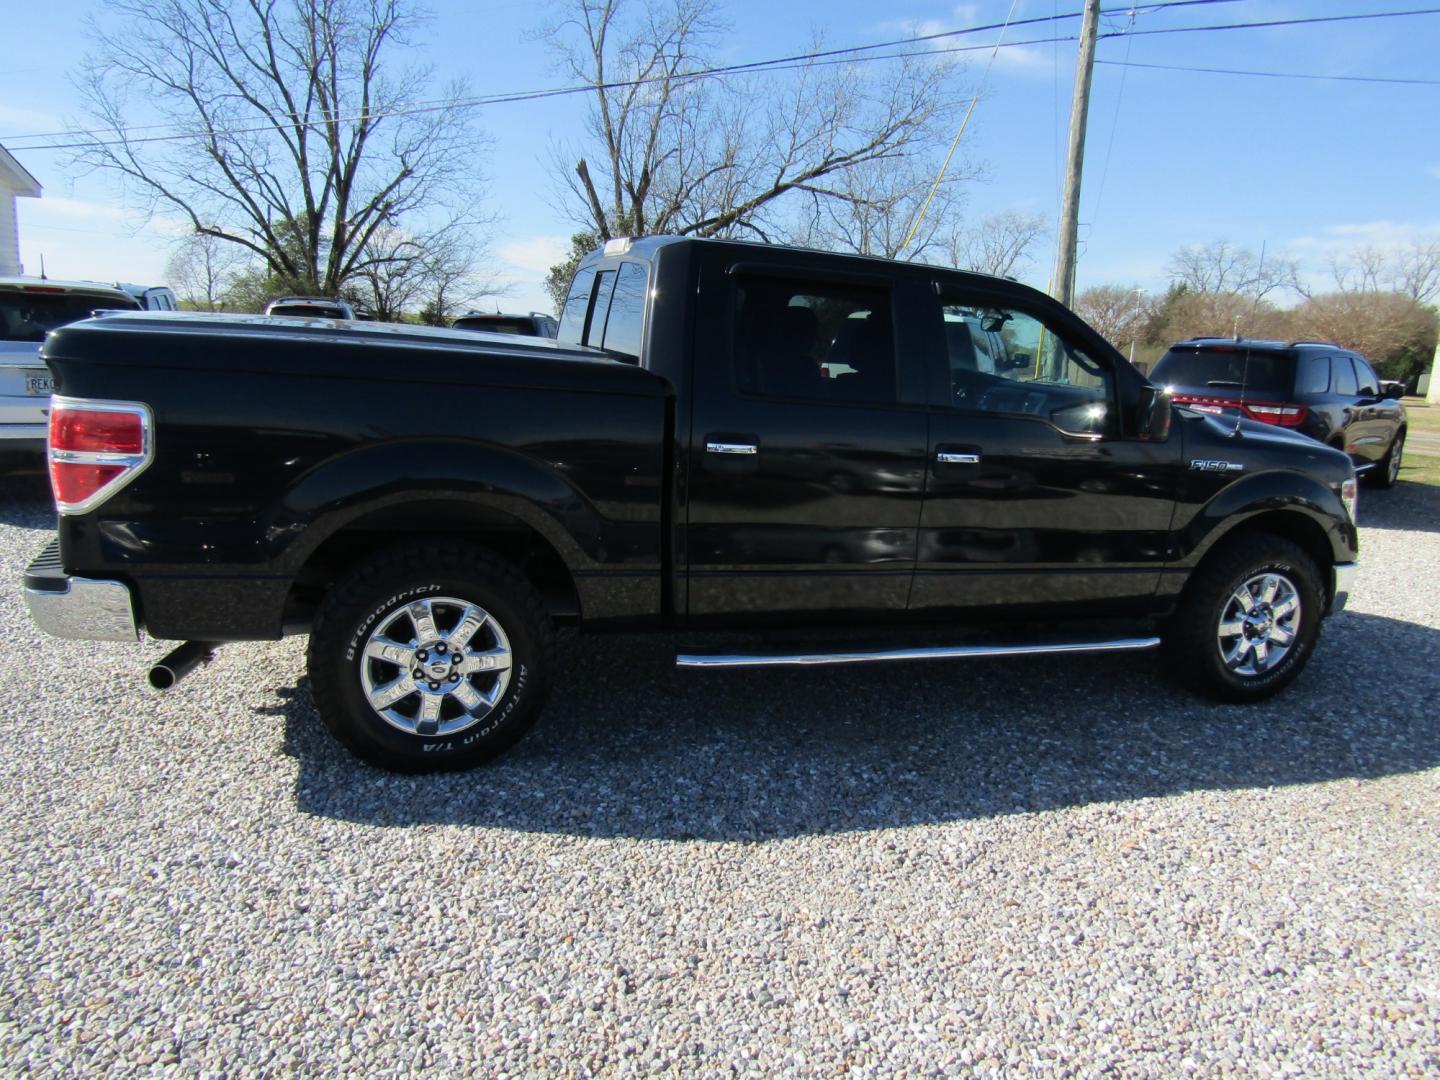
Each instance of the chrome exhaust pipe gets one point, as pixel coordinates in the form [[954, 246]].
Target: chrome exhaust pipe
[[174, 666]]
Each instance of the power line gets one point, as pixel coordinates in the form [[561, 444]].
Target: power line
[[1276, 74], [780, 63], [821, 58]]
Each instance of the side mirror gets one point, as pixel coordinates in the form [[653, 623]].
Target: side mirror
[[1154, 413], [1392, 390]]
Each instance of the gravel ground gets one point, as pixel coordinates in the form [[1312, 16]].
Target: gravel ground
[[1046, 866]]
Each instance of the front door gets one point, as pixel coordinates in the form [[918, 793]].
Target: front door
[[805, 462], [1037, 501]]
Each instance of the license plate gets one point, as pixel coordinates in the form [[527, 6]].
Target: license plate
[[39, 384]]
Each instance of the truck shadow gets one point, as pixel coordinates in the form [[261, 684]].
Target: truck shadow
[[630, 747]]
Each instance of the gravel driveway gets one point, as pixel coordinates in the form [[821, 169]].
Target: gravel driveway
[[1053, 866]]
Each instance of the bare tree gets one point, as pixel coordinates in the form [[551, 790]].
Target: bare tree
[[203, 269], [297, 145], [1395, 331], [882, 210], [1001, 244], [433, 275], [1121, 313], [1412, 270], [1223, 269], [669, 151], [1416, 271]]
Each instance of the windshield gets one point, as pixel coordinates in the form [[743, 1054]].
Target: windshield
[[1226, 368], [29, 316]]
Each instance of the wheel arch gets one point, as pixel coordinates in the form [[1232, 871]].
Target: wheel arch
[[1295, 526], [516, 541]]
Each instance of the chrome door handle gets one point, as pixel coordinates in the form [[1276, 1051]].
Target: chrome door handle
[[731, 448], [945, 457]]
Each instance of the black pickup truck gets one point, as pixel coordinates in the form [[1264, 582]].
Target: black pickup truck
[[723, 436]]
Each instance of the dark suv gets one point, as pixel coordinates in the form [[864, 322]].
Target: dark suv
[[1315, 387]]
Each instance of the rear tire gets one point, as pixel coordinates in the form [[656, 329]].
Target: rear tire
[[431, 657], [1249, 619], [1385, 474]]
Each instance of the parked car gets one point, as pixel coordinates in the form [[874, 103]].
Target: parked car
[[30, 308], [535, 324], [1314, 387], [150, 297], [677, 458], [310, 307]]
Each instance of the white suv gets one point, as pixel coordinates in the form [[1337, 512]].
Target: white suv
[[29, 309]]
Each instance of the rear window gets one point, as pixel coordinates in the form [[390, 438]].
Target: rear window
[[498, 326], [308, 311], [26, 316], [1227, 367]]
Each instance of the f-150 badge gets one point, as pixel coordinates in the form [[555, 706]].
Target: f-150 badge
[[1217, 466]]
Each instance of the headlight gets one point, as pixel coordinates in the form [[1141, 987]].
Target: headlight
[[1350, 496]]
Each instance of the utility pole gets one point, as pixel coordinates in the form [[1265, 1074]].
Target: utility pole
[[1079, 113]]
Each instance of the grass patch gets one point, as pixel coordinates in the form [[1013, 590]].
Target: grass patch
[[1422, 417], [1415, 469]]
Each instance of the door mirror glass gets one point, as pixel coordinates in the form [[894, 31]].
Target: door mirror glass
[[1155, 413]]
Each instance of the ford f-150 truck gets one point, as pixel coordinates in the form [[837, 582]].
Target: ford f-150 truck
[[723, 435]]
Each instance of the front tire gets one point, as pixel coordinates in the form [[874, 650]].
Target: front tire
[[431, 657], [1249, 619], [1387, 472]]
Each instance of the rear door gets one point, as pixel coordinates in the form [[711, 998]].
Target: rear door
[[1376, 419], [807, 442], [1037, 499]]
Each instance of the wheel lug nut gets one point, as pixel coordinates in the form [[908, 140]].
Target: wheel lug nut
[[434, 686], [418, 674], [422, 655], [440, 648], [455, 676]]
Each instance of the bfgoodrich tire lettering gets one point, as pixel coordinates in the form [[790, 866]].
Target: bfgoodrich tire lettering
[[1249, 619], [431, 656]]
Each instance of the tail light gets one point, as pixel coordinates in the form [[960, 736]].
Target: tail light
[[96, 448], [1285, 415]]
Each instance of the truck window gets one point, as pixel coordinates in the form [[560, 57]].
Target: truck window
[[798, 339], [1003, 360], [577, 306], [626, 317]]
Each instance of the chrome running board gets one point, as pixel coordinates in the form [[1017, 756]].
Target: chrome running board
[[933, 652]]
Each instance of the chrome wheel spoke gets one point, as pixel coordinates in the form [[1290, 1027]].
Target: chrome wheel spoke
[[468, 696], [1262, 655], [470, 623], [1281, 635], [382, 697], [392, 652], [1242, 597], [1285, 607], [422, 614], [489, 660], [1269, 589], [427, 720], [1234, 656], [1232, 628]]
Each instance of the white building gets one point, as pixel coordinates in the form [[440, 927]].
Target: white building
[[15, 183]]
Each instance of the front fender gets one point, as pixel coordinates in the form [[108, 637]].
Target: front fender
[[1274, 491]]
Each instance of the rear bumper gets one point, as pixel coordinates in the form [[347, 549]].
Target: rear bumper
[[1344, 585], [85, 609]]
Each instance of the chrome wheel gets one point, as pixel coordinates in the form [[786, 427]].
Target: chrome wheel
[[1396, 450], [435, 666], [1259, 625]]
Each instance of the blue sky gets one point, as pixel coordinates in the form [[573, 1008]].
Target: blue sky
[[1173, 157]]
